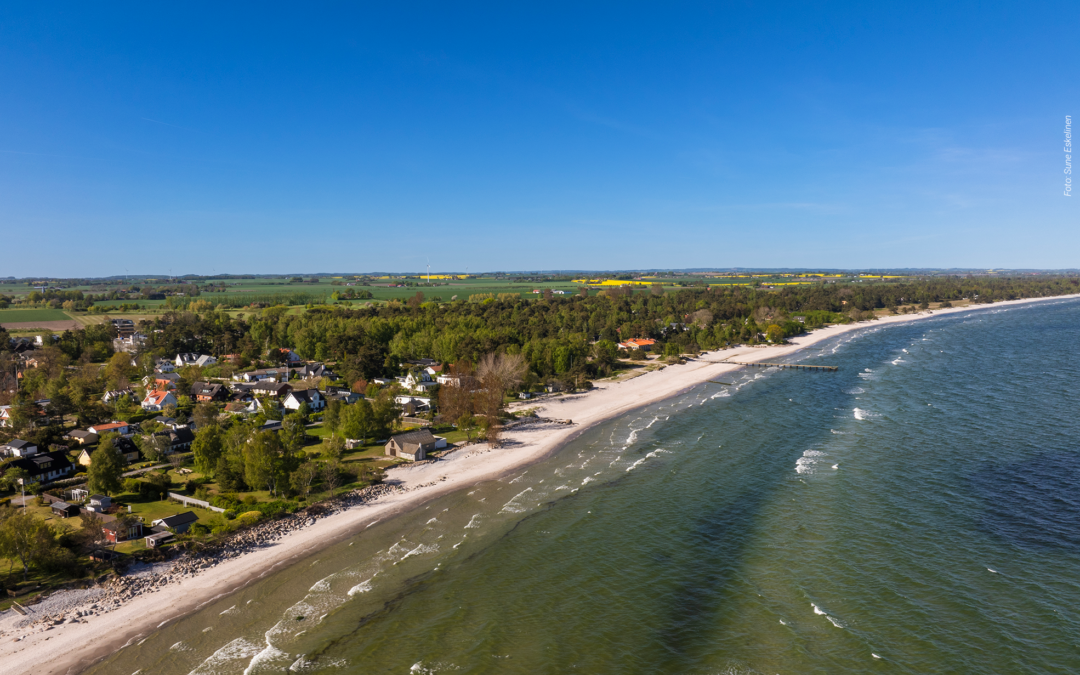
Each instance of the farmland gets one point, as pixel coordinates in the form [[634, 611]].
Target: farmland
[[27, 315]]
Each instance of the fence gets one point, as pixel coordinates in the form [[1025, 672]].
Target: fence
[[418, 421], [188, 501]]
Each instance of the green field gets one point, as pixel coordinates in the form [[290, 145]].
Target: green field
[[24, 315]]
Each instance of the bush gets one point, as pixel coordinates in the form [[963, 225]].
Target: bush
[[198, 529], [250, 518], [229, 515], [190, 487], [132, 485], [250, 500]]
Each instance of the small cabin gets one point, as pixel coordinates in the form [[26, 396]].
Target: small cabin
[[65, 510]]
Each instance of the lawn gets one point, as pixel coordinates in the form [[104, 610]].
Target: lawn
[[24, 315]]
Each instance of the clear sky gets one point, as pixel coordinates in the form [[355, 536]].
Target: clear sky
[[149, 138]]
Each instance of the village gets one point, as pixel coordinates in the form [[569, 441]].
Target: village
[[187, 451]]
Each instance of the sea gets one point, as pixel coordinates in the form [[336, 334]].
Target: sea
[[916, 511]]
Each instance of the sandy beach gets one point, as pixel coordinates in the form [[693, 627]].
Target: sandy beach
[[72, 647]]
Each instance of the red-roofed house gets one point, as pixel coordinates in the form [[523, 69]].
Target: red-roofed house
[[102, 429], [637, 343], [157, 400]]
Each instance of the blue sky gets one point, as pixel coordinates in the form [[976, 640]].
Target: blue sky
[[264, 138]]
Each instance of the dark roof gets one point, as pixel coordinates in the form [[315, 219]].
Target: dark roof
[[206, 389], [182, 435], [179, 519], [304, 394], [98, 498], [79, 433], [416, 437], [62, 505], [19, 443], [35, 465]]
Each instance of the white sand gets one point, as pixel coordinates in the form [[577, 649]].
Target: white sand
[[70, 648]]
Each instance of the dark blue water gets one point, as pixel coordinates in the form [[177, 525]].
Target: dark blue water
[[916, 512]]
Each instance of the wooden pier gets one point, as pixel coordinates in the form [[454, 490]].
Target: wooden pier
[[785, 365]]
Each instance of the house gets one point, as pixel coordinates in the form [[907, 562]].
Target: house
[[418, 381], [65, 510], [124, 445], [117, 394], [273, 389], [158, 400], [295, 399], [205, 391], [164, 366], [314, 371], [524, 396], [82, 437], [178, 523], [124, 327], [290, 355], [109, 427], [100, 503], [414, 445], [194, 360], [45, 467], [18, 448], [179, 438], [5, 416], [242, 407], [117, 531], [162, 380], [340, 394], [449, 380], [418, 402], [637, 343], [272, 374], [158, 538], [434, 371]]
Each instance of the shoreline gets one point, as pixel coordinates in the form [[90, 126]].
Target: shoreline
[[72, 647]]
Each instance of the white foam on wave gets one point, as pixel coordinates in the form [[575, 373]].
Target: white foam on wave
[[657, 452], [474, 522], [635, 464], [420, 550], [320, 586], [874, 655], [265, 658], [587, 480], [511, 506], [228, 611], [839, 433], [239, 648], [433, 520], [860, 414], [362, 587], [821, 612]]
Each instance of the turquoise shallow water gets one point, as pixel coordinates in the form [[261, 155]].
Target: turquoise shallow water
[[916, 512]]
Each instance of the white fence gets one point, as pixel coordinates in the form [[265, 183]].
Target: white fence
[[188, 501]]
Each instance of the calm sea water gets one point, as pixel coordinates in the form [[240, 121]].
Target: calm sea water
[[916, 512]]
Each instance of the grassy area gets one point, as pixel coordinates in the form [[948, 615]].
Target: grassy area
[[23, 315]]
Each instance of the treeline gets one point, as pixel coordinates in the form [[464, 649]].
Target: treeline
[[555, 334]]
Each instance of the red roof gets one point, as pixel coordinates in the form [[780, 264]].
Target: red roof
[[110, 425], [640, 342], [156, 397]]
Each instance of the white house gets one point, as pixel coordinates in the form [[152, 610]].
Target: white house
[[294, 399], [18, 448], [450, 380], [158, 400], [194, 360], [419, 381], [419, 401]]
